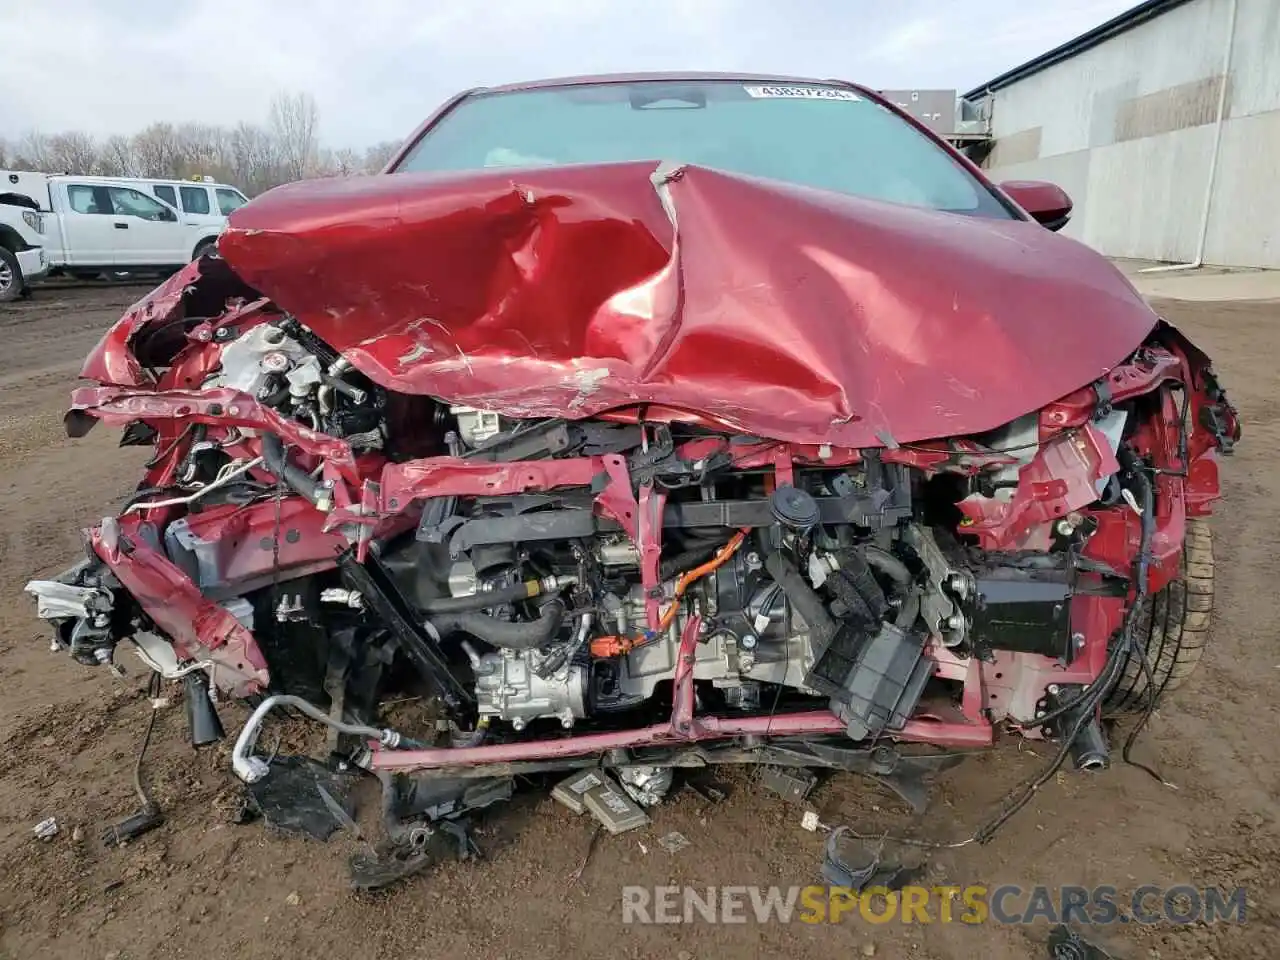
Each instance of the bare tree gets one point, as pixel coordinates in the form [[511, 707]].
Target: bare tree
[[73, 152], [294, 122], [33, 152], [347, 162], [203, 150], [158, 150], [117, 159], [379, 155], [255, 159]]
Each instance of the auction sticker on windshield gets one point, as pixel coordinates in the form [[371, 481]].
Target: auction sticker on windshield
[[800, 93]]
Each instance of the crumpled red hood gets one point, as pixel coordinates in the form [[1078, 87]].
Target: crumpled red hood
[[780, 311]]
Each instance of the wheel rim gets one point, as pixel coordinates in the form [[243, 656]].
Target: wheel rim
[[6, 277]]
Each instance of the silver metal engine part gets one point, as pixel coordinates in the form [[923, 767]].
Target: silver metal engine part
[[648, 786], [304, 377], [775, 648], [509, 688], [55, 600], [261, 352], [947, 587], [728, 661]]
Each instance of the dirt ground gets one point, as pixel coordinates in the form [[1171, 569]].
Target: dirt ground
[[202, 886]]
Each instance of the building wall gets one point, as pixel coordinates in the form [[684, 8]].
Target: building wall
[[1127, 129]]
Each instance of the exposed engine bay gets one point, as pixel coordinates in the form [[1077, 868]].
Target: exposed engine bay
[[643, 585]]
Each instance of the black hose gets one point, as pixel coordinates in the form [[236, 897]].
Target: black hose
[[688, 559], [503, 633], [856, 571], [910, 609], [481, 600], [295, 478], [889, 565], [822, 626]]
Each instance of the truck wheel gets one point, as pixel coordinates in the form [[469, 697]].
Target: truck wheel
[[11, 280], [1172, 626], [205, 247]]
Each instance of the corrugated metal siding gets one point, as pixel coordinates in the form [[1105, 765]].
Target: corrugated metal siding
[[1127, 128]]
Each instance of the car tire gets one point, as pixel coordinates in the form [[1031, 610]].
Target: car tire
[[1172, 628], [12, 282], [205, 246]]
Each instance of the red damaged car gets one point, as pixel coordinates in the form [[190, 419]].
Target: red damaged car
[[649, 422]]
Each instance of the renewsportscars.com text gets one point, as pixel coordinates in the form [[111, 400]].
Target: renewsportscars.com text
[[973, 904]]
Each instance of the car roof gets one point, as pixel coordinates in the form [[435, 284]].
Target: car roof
[[97, 178]]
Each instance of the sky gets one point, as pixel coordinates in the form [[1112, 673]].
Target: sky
[[378, 67]]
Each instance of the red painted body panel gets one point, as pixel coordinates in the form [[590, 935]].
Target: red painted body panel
[[199, 628], [780, 311]]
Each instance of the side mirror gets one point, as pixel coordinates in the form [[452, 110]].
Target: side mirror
[[1047, 203]]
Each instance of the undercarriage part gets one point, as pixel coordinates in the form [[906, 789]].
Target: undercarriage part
[[250, 769], [791, 786], [303, 797], [451, 840], [946, 587], [868, 869], [426, 821], [1089, 748], [875, 681], [203, 724], [907, 774], [437, 799], [80, 604], [647, 785], [148, 816]]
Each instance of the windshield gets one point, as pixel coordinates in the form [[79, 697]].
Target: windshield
[[815, 135]]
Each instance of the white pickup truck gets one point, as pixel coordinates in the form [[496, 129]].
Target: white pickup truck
[[22, 255], [88, 225]]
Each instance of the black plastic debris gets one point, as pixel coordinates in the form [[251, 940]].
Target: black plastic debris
[[291, 799], [436, 797], [1066, 944], [871, 869], [443, 841], [793, 785], [133, 826]]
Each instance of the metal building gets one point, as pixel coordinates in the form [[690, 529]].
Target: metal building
[[1163, 125]]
